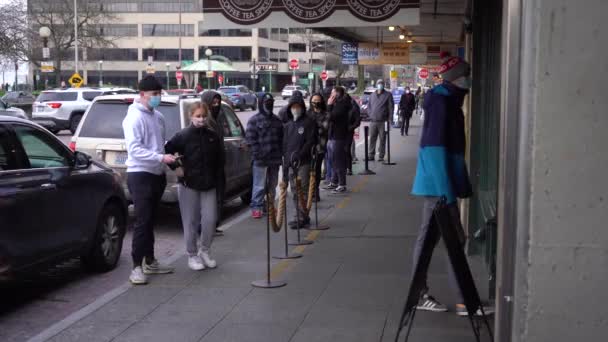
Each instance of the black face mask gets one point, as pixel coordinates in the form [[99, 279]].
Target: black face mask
[[215, 110]]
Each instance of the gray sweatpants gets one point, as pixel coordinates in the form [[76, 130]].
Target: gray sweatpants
[[199, 214], [427, 213], [376, 128]]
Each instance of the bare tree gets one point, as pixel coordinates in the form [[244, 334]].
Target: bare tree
[[13, 33], [58, 16]]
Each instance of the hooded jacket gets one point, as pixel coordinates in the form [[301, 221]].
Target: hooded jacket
[[218, 114], [265, 136], [300, 136], [285, 114], [203, 157], [321, 120], [441, 169], [338, 117]]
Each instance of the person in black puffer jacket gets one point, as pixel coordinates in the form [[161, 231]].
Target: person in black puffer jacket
[[285, 114], [202, 161], [265, 140], [299, 143], [318, 113]]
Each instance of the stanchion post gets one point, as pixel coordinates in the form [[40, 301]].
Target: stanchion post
[[317, 226], [388, 144], [287, 255], [268, 283], [300, 241], [367, 171]]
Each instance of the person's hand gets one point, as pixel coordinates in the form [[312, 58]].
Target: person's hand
[[169, 159], [332, 99]]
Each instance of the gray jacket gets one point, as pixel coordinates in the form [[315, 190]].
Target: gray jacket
[[380, 106]]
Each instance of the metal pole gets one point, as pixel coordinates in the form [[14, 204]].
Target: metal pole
[[180, 33], [367, 171], [75, 36], [388, 144], [300, 242], [168, 77]]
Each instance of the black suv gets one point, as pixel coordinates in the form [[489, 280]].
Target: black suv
[[55, 203]]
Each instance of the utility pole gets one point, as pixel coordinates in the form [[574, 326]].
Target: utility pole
[[75, 36], [179, 53]]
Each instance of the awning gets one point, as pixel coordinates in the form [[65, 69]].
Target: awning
[[203, 65]]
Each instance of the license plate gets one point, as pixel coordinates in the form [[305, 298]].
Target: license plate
[[39, 109], [116, 158]]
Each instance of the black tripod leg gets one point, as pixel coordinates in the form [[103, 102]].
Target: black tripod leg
[[409, 325]]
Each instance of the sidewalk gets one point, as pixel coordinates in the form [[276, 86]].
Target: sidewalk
[[349, 286]]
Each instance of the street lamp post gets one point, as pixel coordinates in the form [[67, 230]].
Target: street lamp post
[[100, 63], [168, 65], [208, 53], [45, 33]]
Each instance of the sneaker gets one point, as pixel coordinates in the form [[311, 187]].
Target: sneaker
[[206, 258], [330, 186], [461, 310], [138, 277], [195, 263], [339, 190], [303, 224], [155, 267], [256, 214], [428, 303], [381, 159]]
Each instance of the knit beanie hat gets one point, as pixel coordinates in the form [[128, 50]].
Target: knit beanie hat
[[150, 83], [453, 67]]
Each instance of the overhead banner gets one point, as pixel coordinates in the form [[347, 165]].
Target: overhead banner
[[310, 13], [387, 53], [349, 53]]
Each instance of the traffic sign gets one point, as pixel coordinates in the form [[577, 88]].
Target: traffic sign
[[179, 76], [76, 80], [423, 73], [324, 75], [311, 75], [150, 70], [267, 67], [294, 64], [47, 67], [210, 74], [220, 79]]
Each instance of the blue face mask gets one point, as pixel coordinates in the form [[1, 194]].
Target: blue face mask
[[154, 101], [380, 86]]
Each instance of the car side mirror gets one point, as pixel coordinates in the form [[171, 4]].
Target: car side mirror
[[82, 161]]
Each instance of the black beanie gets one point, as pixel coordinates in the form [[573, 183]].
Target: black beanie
[[149, 83]]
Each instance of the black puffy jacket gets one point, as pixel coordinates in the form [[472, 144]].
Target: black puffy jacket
[[299, 136], [203, 157]]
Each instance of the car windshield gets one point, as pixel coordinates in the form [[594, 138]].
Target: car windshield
[[56, 96], [228, 90], [290, 88], [104, 120]]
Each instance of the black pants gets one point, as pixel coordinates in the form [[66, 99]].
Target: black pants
[[146, 192], [405, 125], [349, 161]]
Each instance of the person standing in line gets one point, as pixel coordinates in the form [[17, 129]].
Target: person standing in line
[[318, 113], [264, 135], [144, 130], [285, 113], [354, 121], [339, 106], [407, 104], [202, 159], [441, 170], [380, 111], [299, 141]]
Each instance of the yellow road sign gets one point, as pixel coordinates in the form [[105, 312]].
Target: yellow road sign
[[76, 80]]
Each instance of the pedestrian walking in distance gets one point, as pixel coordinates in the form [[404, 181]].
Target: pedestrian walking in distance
[[380, 111], [144, 130], [201, 157]]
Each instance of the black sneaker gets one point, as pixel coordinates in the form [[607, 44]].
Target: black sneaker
[[303, 224], [381, 159], [428, 303]]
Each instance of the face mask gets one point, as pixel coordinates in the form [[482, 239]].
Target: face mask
[[268, 106], [198, 122], [380, 86], [154, 101], [296, 112], [407, 91], [463, 82]]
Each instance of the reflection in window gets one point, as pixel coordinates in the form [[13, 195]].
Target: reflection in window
[[233, 53], [118, 30], [167, 30], [41, 151], [263, 54], [297, 47], [263, 33]]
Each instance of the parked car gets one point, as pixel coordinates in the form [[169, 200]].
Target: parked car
[[18, 98], [57, 110], [100, 134], [288, 91], [179, 92], [8, 110], [55, 203], [241, 97]]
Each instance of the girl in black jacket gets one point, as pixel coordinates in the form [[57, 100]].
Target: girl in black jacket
[[202, 159]]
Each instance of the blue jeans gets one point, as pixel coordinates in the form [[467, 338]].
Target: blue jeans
[[328, 170], [259, 184]]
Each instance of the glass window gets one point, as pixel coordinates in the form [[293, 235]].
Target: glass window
[[283, 56], [113, 54], [222, 33], [227, 90], [263, 54], [167, 30], [297, 30], [3, 105], [233, 53], [7, 154], [235, 126], [297, 47], [90, 95], [263, 33], [161, 6], [118, 6], [284, 35], [57, 96], [274, 55], [41, 151], [168, 54], [118, 30]]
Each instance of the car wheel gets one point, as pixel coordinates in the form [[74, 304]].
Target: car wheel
[[254, 106], [106, 246], [74, 122]]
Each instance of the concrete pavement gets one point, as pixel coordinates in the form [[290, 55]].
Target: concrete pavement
[[349, 286]]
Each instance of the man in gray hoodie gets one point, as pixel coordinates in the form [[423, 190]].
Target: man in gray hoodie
[[380, 109]]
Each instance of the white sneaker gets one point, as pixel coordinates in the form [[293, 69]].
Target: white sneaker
[[155, 267], [138, 277], [339, 190], [195, 263], [207, 259]]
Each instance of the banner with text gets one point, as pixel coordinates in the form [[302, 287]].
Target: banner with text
[[387, 53], [349, 53]]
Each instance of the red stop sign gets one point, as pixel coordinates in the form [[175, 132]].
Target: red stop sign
[[424, 73], [294, 64], [179, 75], [220, 79], [324, 75]]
